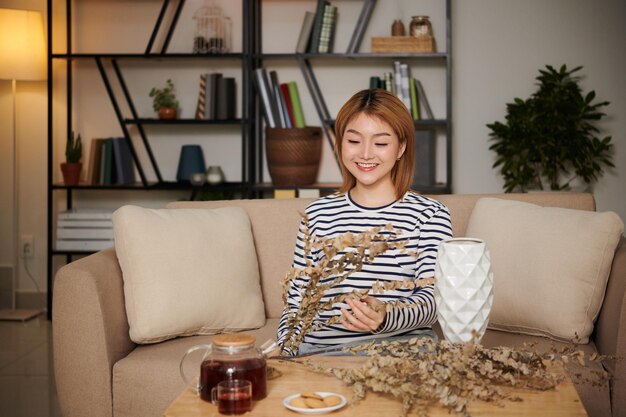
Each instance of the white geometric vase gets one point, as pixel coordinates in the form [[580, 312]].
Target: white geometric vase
[[463, 288]]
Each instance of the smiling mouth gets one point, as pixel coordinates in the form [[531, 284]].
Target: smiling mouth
[[366, 166]]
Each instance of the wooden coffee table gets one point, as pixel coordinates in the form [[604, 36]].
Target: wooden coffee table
[[563, 401]]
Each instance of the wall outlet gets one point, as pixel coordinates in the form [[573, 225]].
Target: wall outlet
[[28, 246]]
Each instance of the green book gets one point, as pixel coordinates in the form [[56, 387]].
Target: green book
[[415, 109], [295, 102], [374, 82]]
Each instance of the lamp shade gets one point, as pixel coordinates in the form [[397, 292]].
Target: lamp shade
[[22, 45]]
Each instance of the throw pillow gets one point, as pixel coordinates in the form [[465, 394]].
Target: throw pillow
[[550, 265], [187, 271]]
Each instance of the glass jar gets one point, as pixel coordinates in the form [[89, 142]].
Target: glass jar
[[233, 356], [420, 26]]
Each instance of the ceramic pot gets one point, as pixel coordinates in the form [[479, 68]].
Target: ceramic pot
[[463, 288], [191, 161], [168, 113], [71, 172]]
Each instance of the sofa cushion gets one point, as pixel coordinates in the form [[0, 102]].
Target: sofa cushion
[[187, 272], [550, 265]]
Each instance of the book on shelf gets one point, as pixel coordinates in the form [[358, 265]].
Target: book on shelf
[[426, 111], [95, 161], [259, 80], [284, 88], [282, 118], [404, 85], [375, 82], [304, 38], [109, 173], [397, 80], [361, 26], [328, 27], [284, 193], [295, 102], [408, 89], [211, 95], [415, 109], [124, 169], [226, 98], [317, 25]]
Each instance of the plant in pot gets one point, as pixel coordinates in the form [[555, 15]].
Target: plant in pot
[[549, 140], [164, 101], [72, 166]]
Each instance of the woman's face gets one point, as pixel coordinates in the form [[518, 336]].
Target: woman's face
[[370, 149]]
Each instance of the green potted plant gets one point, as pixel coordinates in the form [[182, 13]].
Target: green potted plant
[[549, 139], [164, 101], [72, 166]]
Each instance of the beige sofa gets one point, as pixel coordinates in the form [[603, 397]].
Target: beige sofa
[[100, 372]]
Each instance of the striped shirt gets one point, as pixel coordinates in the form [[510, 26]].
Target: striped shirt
[[422, 223]]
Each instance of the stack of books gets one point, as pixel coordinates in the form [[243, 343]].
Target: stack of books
[[110, 162], [407, 88], [84, 230], [280, 101], [317, 34], [221, 97]]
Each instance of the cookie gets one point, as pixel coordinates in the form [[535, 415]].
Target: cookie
[[311, 395], [314, 403], [298, 402], [331, 400]]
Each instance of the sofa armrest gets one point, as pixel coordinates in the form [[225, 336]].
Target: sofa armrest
[[610, 328], [90, 333]]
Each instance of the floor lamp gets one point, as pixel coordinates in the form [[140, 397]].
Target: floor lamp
[[23, 58]]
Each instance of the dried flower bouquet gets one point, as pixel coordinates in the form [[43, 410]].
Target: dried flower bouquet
[[343, 256]]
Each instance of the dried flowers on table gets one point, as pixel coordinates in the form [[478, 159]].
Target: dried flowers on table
[[421, 371]]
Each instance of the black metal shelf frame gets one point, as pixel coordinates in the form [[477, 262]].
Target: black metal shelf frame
[[109, 62]]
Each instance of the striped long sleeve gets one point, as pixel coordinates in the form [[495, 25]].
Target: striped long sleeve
[[422, 223]]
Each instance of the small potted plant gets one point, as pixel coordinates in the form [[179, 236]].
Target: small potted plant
[[72, 166], [549, 140], [165, 102]]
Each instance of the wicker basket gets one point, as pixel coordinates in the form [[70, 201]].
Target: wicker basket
[[293, 155], [403, 44]]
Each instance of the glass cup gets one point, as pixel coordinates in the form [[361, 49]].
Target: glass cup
[[232, 396]]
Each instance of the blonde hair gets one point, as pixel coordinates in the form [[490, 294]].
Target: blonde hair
[[391, 110]]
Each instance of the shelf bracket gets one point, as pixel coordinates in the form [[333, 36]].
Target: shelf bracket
[[140, 128], [118, 113], [318, 101]]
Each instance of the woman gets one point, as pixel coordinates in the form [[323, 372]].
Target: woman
[[374, 144]]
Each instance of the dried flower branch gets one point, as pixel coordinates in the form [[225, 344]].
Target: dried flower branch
[[420, 370], [343, 256]]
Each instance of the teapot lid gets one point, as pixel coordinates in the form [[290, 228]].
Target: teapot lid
[[233, 340]]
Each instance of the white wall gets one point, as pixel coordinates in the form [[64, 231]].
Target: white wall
[[498, 47], [31, 137]]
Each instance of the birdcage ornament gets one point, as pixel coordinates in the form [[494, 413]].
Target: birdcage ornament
[[213, 30]]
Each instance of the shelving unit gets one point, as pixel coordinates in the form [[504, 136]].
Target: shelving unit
[[306, 64], [252, 184], [111, 72]]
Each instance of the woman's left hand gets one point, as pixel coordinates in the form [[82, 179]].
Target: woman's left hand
[[367, 314]]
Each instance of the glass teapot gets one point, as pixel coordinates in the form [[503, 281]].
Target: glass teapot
[[230, 356]]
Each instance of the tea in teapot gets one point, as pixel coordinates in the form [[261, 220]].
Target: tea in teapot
[[230, 356]]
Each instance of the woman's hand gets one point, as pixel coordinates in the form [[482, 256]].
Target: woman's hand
[[366, 315]]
